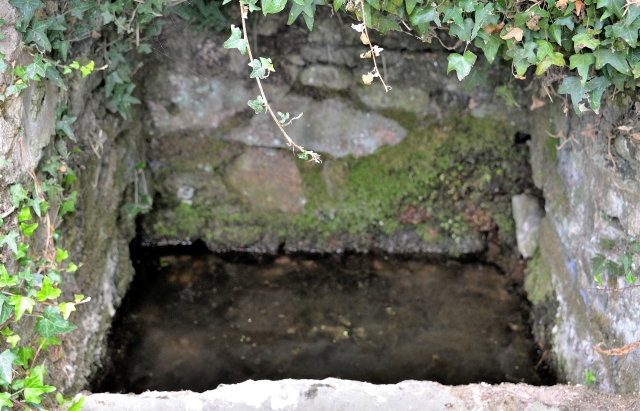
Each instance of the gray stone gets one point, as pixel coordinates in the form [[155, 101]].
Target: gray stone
[[334, 395], [332, 77], [268, 179], [528, 217], [331, 126]]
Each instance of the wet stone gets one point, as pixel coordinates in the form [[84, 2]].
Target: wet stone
[[193, 322]]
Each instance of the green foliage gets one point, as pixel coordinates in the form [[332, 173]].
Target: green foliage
[[32, 287], [589, 377], [623, 266]]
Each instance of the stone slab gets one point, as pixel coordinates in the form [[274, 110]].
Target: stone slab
[[336, 395]]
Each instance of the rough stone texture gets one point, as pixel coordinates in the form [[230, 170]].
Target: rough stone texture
[[332, 77], [331, 126], [387, 150], [268, 179], [586, 202], [527, 215], [335, 395]]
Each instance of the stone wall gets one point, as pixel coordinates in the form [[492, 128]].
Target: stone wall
[[428, 167], [587, 201], [95, 234]]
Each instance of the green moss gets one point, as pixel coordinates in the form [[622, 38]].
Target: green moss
[[440, 169], [552, 150], [537, 281]]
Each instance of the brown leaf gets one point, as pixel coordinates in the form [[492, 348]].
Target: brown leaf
[[367, 78], [473, 104], [513, 33], [579, 5], [364, 39], [537, 103], [492, 28], [532, 23], [561, 5], [625, 128]]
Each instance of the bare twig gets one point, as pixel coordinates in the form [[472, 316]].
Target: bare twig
[[373, 54], [615, 352], [244, 10]]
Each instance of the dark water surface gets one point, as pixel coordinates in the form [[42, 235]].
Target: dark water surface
[[195, 320]]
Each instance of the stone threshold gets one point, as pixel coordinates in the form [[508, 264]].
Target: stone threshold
[[335, 395]]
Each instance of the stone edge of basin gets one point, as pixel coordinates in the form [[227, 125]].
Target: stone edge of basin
[[334, 395]]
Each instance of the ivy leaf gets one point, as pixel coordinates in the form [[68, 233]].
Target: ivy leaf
[[24, 214], [523, 57], [5, 310], [236, 41], [617, 60], [27, 7], [410, 5], [48, 291], [6, 280], [17, 194], [53, 74], [257, 105], [69, 204], [260, 67], [283, 117], [490, 44], [34, 386], [6, 365], [483, 17], [52, 323], [582, 62], [387, 23], [454, 14], [21, 304], [28, 229], [337, 4], [66, 309], [583, 40], [612, 7], [10, 240], [462, 32], [4, 400], [596, 87], [306, 9], [461, 64], [61, 254], [64, 125], [273, 6], [573, 86], [422, 17], [554, 59], [38, 35]]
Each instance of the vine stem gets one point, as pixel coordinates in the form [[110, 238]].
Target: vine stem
[[244, 10], [373, 55]]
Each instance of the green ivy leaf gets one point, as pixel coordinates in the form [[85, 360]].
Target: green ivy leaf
[[583, 40], [28, 229], [236, 41], [48, 291], [258, 70], [337, 4], [61, 254], [306, 9], [7, 359], [21, 304], [4, 400], [53, 75], [630, 278], [38, 35], [5, 309], [273, 6], [461, 63], [64, 126], [554, 59], [617, 60], [410, 5], [34, 386], [24, 214], [582, 62], [422, 17], [490, 44], [453, 14], [613, 7], [69, 204], [24, 355], [17, 194], [573, 86], [66, 309], [52, 323], [27, 8], [6, 280], [483, 17], [77, 404], [283, 117], [10, 240], [257, 105]]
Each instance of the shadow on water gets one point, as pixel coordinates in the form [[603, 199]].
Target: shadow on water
[[194, 319]]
